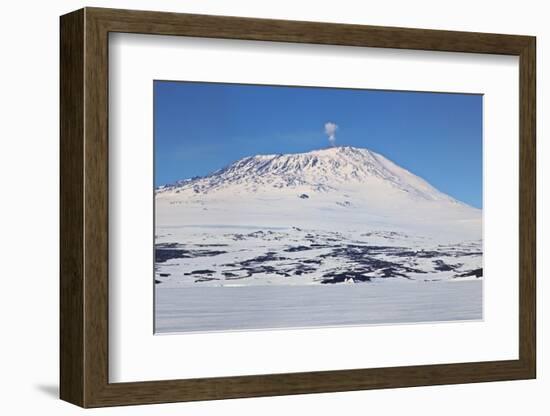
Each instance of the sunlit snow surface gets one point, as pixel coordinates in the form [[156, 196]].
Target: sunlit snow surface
[[203, 309], [333, 237]]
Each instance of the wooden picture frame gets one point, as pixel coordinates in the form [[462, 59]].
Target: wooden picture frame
[[84, 218]]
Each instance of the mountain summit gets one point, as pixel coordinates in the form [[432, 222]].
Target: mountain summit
[[322, 170], [335, 184]]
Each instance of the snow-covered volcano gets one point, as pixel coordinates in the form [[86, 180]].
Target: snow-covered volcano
[[327, 170], [336, 188], [328, 216]]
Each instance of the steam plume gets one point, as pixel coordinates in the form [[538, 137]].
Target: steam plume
[[330, 131]]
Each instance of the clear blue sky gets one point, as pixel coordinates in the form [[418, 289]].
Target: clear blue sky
[[201, 127]]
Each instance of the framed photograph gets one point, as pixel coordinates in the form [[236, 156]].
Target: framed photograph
[[255, 207]]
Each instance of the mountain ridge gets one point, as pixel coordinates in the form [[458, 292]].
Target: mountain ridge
[[319, 171]]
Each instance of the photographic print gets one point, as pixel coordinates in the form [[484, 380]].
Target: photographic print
[[280, 207]]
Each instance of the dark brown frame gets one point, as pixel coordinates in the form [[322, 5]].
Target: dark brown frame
[[84, 209]]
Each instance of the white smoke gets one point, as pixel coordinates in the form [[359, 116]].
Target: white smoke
[[330, 131]]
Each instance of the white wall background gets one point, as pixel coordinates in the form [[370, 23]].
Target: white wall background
[[29, 158]]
